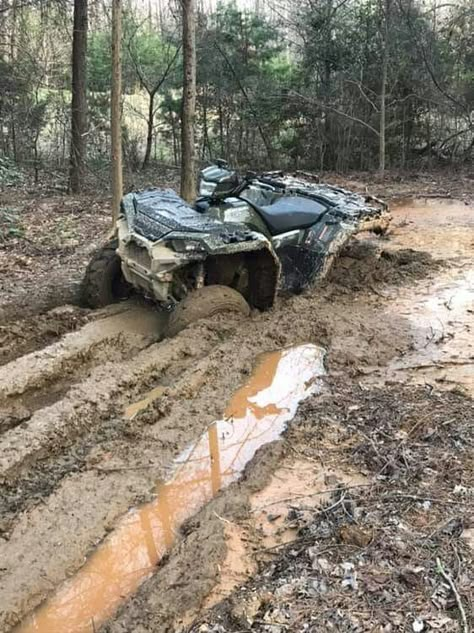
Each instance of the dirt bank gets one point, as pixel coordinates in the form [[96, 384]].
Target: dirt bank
[[72, 463]]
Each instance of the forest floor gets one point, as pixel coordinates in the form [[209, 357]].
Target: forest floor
[[124, 508]]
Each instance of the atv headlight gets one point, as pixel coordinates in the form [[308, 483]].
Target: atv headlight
[[187, 246]]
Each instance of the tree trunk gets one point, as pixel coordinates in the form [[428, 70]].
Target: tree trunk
[[383, 91], [174, 133], [116, 111], [206, 142], [150, 124], [383, 88], [79, 97], [221, 126], [188, 178]]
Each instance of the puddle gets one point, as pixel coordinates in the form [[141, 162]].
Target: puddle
[[441, 314], [440, 311], [443, 227], [257, 414], [134, 409]]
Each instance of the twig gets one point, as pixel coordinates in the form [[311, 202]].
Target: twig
[[311, 494], [397, 495], [223, 519], [114, 469], [440, 569]]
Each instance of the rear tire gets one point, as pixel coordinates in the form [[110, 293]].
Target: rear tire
[[204, 303], [104, 282]]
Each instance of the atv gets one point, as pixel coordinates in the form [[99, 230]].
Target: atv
[[245, 239]]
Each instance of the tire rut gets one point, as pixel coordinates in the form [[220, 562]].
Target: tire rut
[[91, 479], [42, 378]]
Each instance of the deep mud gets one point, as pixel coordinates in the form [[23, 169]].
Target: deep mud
[[375, 265], [281, 380], [27, 334], [74, 459]]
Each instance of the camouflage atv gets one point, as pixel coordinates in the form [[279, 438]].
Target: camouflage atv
[[244, 240]]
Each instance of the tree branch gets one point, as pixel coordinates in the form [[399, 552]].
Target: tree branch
[[248, 100], [336, 111]]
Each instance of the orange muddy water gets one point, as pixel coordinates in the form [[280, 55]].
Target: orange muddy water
[[257, 414]]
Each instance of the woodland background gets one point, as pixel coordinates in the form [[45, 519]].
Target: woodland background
[[308, 84]]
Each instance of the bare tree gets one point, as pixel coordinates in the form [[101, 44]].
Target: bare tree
[[188, 177], [116, 108], [152, 86], [79, 97]]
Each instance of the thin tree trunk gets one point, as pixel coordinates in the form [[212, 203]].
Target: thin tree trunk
[[79, 97], [116, 111], [382, 116], [206, 142], [175, 142], [221, 127], [150, 124], [188, 178], [383, 88]]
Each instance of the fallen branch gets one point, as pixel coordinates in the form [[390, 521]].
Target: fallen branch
[[440, 569]]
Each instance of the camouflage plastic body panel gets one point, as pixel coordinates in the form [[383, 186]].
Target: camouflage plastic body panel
[[160, 234], [234, 210]]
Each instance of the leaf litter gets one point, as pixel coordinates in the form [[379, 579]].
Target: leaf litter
[[391, 556]]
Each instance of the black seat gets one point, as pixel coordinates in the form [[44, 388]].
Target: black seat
[[290, 213]]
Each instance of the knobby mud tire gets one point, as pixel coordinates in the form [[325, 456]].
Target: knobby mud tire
[[104, 282], [204, 303]]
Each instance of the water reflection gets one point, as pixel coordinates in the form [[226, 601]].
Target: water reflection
[[257, 414]]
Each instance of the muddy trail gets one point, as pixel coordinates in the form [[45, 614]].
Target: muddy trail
[[145, 480]]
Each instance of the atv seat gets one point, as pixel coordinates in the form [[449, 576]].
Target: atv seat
[[290, 213]]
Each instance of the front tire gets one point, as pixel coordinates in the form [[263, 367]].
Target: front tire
[[204, 303], [104, 282]]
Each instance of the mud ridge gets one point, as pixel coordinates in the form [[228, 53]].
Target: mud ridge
[[364, 264], [28, 334], [85, 405], [182, 379]]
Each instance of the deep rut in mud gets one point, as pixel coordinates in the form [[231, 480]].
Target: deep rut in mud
[[125, 559], [74, 457]]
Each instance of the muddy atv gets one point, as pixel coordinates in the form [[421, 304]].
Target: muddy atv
[[244, 239]]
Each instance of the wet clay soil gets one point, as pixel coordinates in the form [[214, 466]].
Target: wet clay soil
[[71, 468], [257, 414]]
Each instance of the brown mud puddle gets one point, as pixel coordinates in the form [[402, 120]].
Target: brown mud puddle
[[443, 329], [257, 414], [440, 311], [445, 228]]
